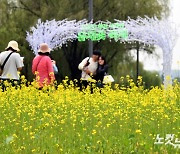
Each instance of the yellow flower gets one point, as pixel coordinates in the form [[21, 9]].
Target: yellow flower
[[108, 125], [138, 131], [93, 132]]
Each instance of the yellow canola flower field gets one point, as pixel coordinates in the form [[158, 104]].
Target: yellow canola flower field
[[110, 120]]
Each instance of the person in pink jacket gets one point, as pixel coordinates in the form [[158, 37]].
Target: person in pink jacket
[[42, 66]]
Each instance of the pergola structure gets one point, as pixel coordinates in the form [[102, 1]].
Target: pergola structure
[[149, 31]]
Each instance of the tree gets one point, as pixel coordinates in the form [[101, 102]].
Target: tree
[[19, 16]]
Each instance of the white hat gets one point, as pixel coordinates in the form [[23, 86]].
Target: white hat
[[44, 48], [13, 44]]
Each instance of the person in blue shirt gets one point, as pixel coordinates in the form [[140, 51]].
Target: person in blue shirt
[[54, 66]]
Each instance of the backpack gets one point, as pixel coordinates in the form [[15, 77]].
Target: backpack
[[87, 63]]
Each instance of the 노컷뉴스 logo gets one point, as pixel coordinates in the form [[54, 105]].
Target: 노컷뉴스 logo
[[169, 139]]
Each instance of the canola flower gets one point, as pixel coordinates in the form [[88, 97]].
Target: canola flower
[[66, 120]]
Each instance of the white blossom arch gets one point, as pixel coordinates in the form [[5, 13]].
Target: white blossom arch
[[54, 33], [146, 30], [155, 32]]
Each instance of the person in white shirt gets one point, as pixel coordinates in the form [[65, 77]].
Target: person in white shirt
[[12, 64], [88, 66]]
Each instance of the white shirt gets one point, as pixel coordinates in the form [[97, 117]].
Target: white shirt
[[10, 68], [92, 67]]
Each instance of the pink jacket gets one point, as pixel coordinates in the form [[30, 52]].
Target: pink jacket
[[43, 69]]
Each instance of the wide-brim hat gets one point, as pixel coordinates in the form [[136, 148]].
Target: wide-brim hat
[[44, 48], [13, 44]]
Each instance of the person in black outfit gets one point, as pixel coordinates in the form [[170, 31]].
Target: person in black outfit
[[101, 71]]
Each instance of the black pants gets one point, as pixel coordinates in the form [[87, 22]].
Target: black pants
[[84, 84], [99, 84], [10, 82]]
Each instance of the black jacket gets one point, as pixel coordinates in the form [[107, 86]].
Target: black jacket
[[100, 72]]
